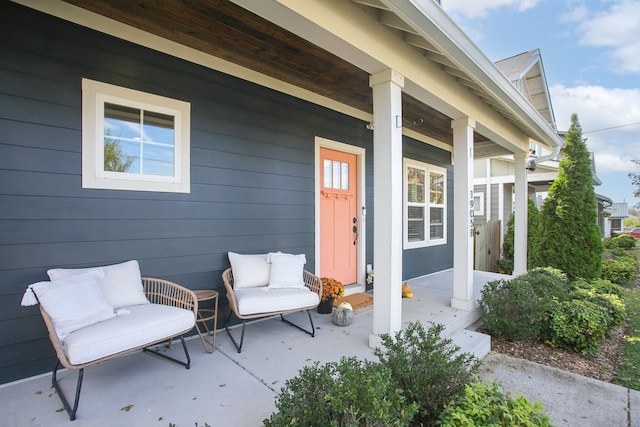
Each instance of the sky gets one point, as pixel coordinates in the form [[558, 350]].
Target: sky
[[591, 57]]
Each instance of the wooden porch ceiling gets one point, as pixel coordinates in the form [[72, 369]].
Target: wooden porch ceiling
[[225, 30]]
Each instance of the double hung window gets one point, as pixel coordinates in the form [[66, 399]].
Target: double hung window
[[425, 203]]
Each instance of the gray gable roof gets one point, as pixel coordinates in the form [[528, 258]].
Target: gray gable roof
[[526, 73]]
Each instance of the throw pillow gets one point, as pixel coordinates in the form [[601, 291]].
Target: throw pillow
[[73, 303], [286, 270], [121, 284], [249, 271]]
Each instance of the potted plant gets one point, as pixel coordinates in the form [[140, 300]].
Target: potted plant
[[332, 289]]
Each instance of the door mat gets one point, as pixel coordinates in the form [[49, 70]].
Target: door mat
[[359, 301]]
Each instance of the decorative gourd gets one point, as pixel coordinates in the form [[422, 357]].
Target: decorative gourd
[[406, 291], [343, 314]]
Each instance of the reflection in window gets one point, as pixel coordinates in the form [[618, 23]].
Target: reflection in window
[[138, 141], [336, 174], [424, 217]]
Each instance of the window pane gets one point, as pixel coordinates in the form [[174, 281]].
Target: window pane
[[327, 173], [158, 160], [121, 122], [437, 188], [158, 128], [345, 176], [121, 156], [436, 226], [415, 224], [415, 185], [336, 174]]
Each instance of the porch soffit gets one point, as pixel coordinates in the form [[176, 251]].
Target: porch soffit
[[225, 30]]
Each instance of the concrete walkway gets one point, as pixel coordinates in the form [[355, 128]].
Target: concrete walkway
[[228, 389]]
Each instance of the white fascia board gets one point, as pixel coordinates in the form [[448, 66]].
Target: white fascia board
[[341, 27], [435, 25]]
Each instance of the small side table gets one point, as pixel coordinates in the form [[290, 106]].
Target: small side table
[[205, 315]]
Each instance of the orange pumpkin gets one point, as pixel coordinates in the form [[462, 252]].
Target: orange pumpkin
[[406, 290]]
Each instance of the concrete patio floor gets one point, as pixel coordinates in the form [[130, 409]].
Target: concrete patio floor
[[230, 389]]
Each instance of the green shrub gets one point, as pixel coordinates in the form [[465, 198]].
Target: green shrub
[[624, 241], [578, 324], [601, 286], [348, 393], [519, 308], [619, 270], [485, 404], [613, 306], [429, 369]]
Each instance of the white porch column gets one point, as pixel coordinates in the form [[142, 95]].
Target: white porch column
[[463, 214], [520, 223], [387, 195]]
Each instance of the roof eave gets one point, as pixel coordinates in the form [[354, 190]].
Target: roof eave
[[434, 24]]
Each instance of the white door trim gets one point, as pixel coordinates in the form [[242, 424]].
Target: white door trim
[[361, 204]]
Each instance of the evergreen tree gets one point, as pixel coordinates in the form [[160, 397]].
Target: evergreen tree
[[505, 263], [569, 233]]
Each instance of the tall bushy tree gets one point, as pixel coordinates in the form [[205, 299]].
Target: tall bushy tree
[[569, 233], [505, 263]]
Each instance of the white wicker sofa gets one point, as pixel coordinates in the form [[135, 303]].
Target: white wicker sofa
[[95, 314], [261, 285]]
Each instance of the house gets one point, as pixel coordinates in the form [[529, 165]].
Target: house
[[174, 132], [614, 223], [494, 178]]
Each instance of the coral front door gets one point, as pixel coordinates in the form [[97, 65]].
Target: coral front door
[[338, 215]]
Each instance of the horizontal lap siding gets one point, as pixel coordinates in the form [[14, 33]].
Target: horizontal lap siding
[[421, 261], [252, 173]]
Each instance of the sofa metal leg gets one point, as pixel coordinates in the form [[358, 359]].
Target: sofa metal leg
[[226, 328], [65, 403], [186, 364], [312, 332]]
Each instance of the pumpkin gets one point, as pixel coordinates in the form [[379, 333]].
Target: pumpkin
[[343, 314], [406, 290]]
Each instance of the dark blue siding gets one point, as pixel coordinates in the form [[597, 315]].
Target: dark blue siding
[[252, 174], [421, 261]]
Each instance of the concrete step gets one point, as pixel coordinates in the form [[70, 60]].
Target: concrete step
[[473, 342]]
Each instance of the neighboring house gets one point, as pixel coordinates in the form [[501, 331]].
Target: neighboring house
[[615, 222], [494, 179], [173, 132]]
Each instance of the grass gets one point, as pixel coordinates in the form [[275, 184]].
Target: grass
[[627, 373]]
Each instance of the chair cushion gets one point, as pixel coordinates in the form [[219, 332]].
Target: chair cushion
[[263, 300], [73, 303], [137, 325], [286, 270], [121, 283], [249, 271]]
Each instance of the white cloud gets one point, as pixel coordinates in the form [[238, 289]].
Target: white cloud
[[614, 115], [576, 15], [474, 9], [616, 29]]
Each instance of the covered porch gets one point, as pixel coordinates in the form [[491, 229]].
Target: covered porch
[[227, 388]]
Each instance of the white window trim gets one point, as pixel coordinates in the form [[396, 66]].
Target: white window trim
[[94, 95], [478, 208], [406, 163]]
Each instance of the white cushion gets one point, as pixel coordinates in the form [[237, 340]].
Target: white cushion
[[261, 300], [286, 270], [121, 284], [249, 271], [73, 303], [143, 324]]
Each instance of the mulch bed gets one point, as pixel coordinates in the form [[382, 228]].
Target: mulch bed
[[601, 366]]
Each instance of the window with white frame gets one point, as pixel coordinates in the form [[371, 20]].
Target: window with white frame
[[133, 140], [425, 204], [478, 204]]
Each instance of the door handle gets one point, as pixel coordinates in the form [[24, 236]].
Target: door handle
[[355, 230]]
